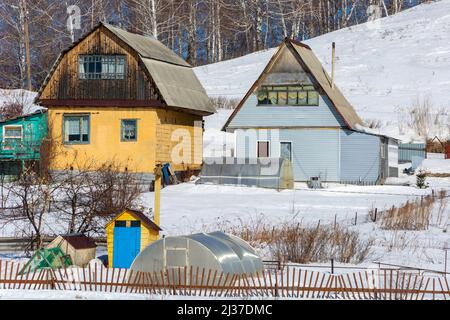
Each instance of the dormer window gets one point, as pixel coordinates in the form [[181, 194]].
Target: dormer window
[[300, 95], [101, 67]]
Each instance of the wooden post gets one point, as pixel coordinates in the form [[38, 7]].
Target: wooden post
[[157, 209]]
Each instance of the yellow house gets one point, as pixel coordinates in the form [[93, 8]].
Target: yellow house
[[127, 235], [123, 98]]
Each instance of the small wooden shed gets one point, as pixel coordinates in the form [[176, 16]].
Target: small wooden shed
[[80, 248], [127, 235]]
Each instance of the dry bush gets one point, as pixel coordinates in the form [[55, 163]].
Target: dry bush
[[14, 106], [442, 213], [88, 198], [11, 110], [307, 244], [414, 215], [420, 117], [373, 123], [436, 146], [224, 103]]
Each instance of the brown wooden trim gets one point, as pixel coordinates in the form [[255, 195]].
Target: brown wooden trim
[[100, 103]]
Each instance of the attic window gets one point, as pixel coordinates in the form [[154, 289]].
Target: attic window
[[300, 95], [101, 67]]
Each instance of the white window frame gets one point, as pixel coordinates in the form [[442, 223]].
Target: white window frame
[[268, 151], [4, 134]]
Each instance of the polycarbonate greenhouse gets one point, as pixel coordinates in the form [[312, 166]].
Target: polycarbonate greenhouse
[[215, 251], [271, 173]]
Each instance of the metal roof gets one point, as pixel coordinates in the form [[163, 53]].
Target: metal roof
[[148, 47], [179, 86]]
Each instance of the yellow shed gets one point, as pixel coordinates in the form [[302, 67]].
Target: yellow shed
[[127, 235]]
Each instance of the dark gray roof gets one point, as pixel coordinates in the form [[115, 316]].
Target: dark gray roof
[[147, 47]]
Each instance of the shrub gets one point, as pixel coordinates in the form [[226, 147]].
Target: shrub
[[307, 244], [421, 182], [224, 103]]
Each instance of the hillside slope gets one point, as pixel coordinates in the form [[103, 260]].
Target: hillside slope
[[383, 68]]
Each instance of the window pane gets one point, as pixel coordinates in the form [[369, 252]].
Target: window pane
[[263, 97], [302, 98], [13, 132], [313, 98], [120, 68], [273, 97], [292, 98], [286, 150], [11, 143], [76, 129], [263, 149], [101, 67], [282, 98], [129, 130]]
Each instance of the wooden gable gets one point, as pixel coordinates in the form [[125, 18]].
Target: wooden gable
[[64, 84]]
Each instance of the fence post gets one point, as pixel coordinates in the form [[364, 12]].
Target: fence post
[[332, 266], [356, 218]]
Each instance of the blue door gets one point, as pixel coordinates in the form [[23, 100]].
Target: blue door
[[127, 245]]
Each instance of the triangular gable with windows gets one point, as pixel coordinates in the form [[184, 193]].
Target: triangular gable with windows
[[295, 63]]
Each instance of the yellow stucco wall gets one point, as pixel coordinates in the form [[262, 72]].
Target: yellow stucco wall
[[148, 236], [155, 132]]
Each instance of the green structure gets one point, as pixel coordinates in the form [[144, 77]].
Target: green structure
[[53, 258], [21, 140]]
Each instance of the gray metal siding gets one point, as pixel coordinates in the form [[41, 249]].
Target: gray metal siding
[[253, 116], [360, 157], [407, 151], [315, 151]]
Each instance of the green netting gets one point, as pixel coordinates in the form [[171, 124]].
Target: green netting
[[53, 258]]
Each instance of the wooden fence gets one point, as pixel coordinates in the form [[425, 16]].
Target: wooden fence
[[289, 283]]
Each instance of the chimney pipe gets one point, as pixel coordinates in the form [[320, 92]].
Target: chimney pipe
[[333, 64]]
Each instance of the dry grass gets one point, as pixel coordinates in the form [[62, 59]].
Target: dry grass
[[415, 215], [306, 244]]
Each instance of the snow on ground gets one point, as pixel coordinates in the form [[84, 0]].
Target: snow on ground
[[382, 67], [214, 139], [436, 166], [71, 295], [190, 208], [21, 96]]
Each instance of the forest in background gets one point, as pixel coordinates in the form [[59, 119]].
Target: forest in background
[[34, 32]]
